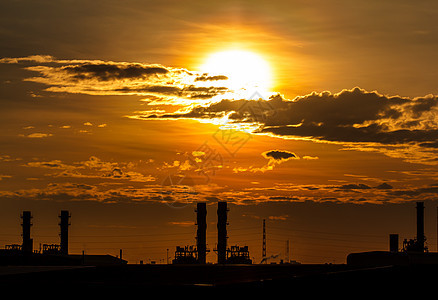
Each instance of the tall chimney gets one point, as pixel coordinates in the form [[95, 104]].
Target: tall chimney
[[264, 242], [222, 211], [27, 241], [201, 236], [393, 242], [420, 226], [63, 224]]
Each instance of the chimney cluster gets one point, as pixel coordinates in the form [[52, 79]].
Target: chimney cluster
[[27, 245], [412, 245], [225, 255]]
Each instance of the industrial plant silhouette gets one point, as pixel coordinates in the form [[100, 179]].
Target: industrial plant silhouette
[[21, 263], [198, 254]]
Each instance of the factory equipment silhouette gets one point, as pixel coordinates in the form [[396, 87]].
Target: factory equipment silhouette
[[58, 254], [197, 254], [413, 251], [50, 254], [53, 264]]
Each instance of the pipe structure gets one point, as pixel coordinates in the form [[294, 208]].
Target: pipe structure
[[27, 241], [222, 211], [201, 235], [63, 224], [393, 242]]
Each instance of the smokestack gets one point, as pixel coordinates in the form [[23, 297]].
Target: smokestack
[[222, 211], [63, 224], [393, 243], [201, 237], [420, 226], [27, 241]]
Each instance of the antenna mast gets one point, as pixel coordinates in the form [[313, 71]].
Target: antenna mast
[[264, 242]]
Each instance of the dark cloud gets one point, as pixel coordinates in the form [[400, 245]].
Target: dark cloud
[[349, 116], [105, 71], [279, 155], [205, 77], [384, 186], [359, 186], [310, 188], [116, 173], [433, 144], [240, 110], [190, 91], [287, 198], [93, 168], [51, 165], [416, 191], [356, 118], [54, 164], [95, 77]]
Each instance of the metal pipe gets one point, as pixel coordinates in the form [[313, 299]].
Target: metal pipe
[[64, 223], [222, 211], [201, 236], [27, 241]]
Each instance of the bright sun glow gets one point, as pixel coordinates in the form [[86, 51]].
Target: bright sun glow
[[244, 69]]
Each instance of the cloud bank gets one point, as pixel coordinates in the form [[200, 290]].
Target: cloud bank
[[357, 119], [360, 120], [96, 77]]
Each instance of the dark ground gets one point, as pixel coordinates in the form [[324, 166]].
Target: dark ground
[[215, 279]]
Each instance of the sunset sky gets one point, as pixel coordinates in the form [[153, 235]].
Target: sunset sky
[[320, 117]]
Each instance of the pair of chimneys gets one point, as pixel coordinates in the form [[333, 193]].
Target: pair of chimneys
[[201, 242], [27, 245]]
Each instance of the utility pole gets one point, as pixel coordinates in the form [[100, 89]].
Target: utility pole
[[264, 242]]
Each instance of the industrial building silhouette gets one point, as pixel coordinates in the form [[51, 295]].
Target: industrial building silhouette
[[50, 254], [197, 254], [58, 254], [413, 251], [410, 265]]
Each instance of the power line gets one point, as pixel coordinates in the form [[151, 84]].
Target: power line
[[324, 232]]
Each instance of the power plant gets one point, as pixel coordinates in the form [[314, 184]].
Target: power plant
[[50, 254], [413, 251], [22, 265], [58, 254], [197, 254]]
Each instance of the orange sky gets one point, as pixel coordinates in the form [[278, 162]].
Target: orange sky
[[99, 111]]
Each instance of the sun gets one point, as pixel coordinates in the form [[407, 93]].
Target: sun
[[245, 70]]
